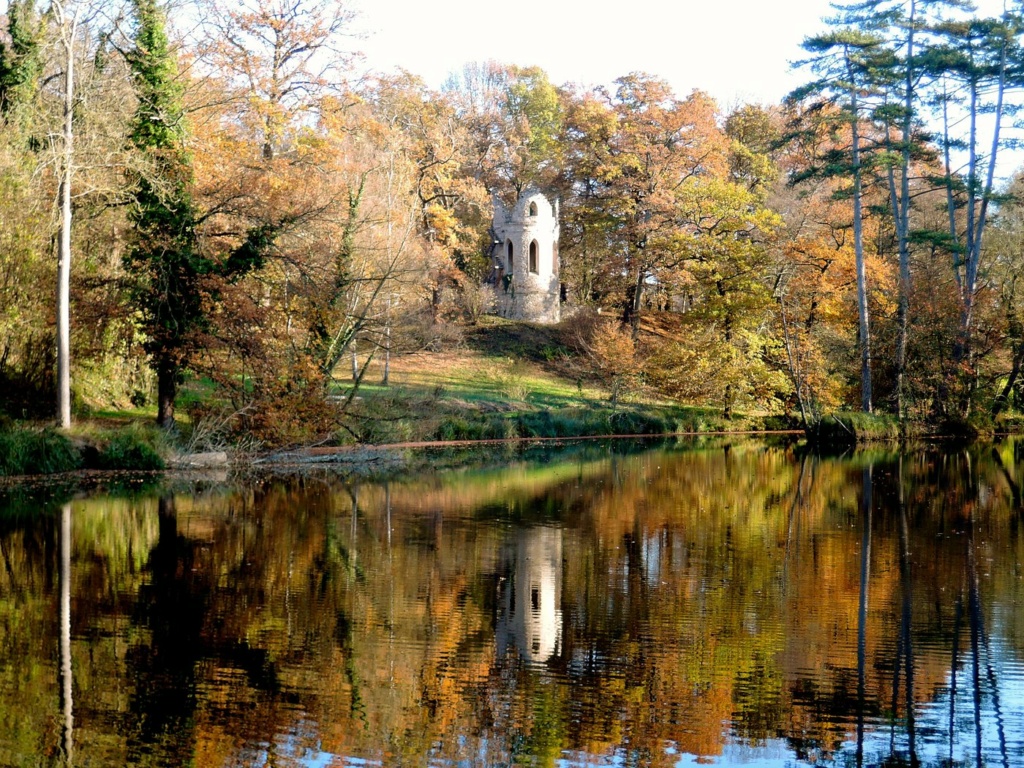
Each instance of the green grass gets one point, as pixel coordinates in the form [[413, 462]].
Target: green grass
[[853, 427], [28, 451], [36, 452], [423, 413], [143, 413], [130, 449]]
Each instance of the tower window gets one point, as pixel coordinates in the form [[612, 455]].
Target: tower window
[[533, 209], [533, 256], [508, 251]]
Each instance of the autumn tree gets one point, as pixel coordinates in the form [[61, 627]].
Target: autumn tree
[[276, 57], [1005, 250], [723, 348], [169, 261], [514, 116], [814, 268], [454, 204], [632, 157]]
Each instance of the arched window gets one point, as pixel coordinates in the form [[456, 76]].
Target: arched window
[[508, 251], [533, 209], [533, 256]]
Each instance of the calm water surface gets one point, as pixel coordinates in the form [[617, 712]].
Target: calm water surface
[[738, 604]]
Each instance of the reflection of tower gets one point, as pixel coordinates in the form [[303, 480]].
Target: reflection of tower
[[530, 596], [526, 258]]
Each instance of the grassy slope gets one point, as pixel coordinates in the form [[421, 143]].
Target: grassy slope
[[510, 380]]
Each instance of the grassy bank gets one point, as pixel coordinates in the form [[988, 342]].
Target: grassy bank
[[504, 381], [29, 451], [849, 428]]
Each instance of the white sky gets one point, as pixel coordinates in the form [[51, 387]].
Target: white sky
[[737, 50]]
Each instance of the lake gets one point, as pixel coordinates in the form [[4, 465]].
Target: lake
[[728, 603]]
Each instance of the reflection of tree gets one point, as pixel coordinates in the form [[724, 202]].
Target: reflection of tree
[[905, 645], [862, 610], [66, 678], [689, 590], [171, 608]]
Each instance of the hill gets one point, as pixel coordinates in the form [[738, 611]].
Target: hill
[[510, 380]]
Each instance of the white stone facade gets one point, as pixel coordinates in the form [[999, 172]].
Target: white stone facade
[[525, 259]]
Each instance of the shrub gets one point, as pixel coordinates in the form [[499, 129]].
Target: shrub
[[129, 450], [29, 452], [637, 423]]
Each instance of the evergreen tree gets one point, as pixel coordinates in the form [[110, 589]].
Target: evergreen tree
[[166, 259], [844, 60], [20, 60]]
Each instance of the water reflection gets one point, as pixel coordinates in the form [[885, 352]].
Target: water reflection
[[730, 606], [530, 594], [66, 677]]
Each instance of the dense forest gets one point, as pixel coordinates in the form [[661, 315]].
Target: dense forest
[[230, 199]]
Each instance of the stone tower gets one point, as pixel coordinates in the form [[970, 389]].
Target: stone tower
[[525, 256]]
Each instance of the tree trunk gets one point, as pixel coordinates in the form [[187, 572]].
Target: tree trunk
[[902, 216], [64, 241], [862, 293], [1003, 399], [633, 303], [386, 378], [166, 390], [794, 369]]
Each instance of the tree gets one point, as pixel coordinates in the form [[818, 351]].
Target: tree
[[514, 117], [166, 254], [976, 66], [453, 203], [722, 348], [69, 16], [277, 58], [1006, 249], [169, 262], [844, 60], [26, 354], [633, 158], [20, 60]]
